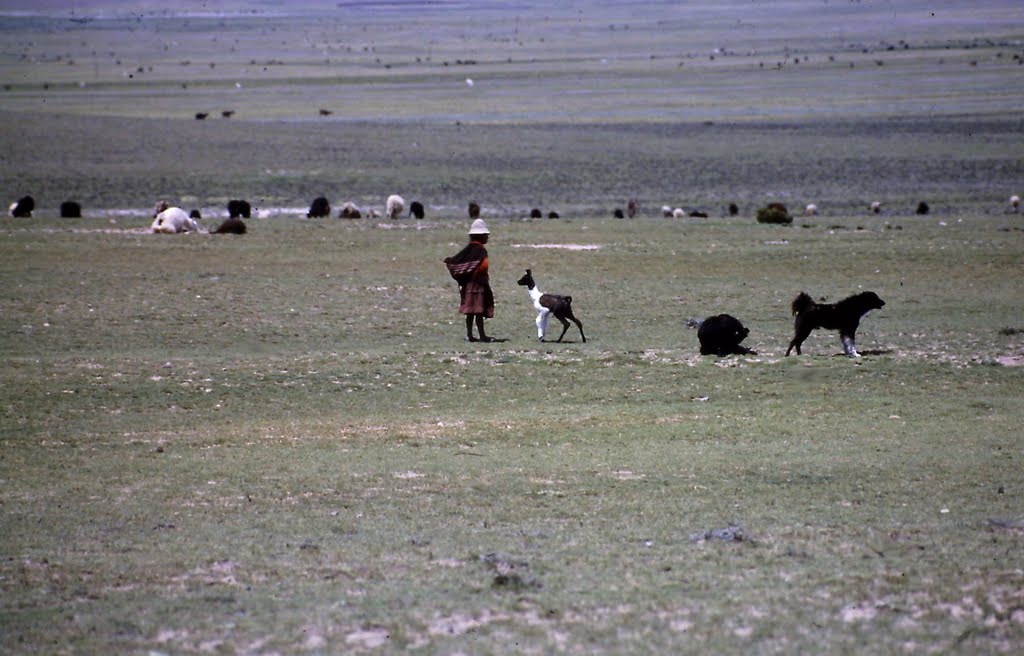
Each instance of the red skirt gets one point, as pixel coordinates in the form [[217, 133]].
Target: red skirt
[[477, 298]]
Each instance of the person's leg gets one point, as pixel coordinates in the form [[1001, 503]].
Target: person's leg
[[480, 328], [469, 328]]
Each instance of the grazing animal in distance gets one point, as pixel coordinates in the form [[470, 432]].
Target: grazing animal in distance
[[843, 316], [1015, 203], [173, 220], [350, 211], [195, 214], [535, 213], [666, 211], [394, 206], [697, 214], [201, 116], [239, 208], [231, 226], [416, 210], [474, 210], [618, 213], [734, 209], [811, 210], [553, 215], [325, 112], [922, 208], [23, 207], [548, 304], [876, 207], [228, 113], [319, 208], [721, 334], [70, 209]]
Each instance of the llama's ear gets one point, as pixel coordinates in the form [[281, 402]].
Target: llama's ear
[[528, 272]]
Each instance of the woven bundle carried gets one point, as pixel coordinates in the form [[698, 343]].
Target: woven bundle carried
[[462, 265]]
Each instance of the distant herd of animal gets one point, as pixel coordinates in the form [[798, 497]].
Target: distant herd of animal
[[169, 219]]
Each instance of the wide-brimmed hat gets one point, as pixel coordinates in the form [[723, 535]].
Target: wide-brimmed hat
[[479, 228]]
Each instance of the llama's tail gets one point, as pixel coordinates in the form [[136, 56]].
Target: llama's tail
[[802, 302]]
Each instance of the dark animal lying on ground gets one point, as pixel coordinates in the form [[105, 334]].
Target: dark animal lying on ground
[[548, 304], [843, 316], [22, 208], [474, 211], [231, 226], [319, 208], [239, 208], [416, 209], [535, 213], [618, 213], [69, 209], [697, 214], [552, 215], [721, 335], [201, 115], [922, 208]]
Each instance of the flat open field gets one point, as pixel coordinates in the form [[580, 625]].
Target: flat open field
[[280, 443]]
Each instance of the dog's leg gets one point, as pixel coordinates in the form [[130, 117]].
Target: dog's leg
[[849, 347], [801, 333]]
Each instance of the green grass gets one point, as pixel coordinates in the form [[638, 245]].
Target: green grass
[[280, 443]]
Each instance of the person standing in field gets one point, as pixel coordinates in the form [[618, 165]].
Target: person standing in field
[[469, 268]]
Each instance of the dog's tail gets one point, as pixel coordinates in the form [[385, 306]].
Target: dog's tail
[[802, 302]]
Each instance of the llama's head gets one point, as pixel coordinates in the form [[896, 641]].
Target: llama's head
[[527, 280]]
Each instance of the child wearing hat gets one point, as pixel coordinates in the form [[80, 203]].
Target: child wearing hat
[[469, 268]]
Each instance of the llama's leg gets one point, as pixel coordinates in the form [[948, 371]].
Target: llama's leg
[[565, 326], [542, 323], [849, 347], [578, 325]]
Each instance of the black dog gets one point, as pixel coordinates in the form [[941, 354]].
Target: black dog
[[843, 316], [721, 335]]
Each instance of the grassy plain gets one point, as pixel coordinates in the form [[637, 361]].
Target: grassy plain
[[278, 443]]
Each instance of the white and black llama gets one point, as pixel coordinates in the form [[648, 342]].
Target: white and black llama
[[548, 304]]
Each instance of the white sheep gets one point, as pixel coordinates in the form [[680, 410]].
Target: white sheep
[[876, 207], [811, 210], [1015, 203], [173, 220], [679, 213], [394, 206]]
